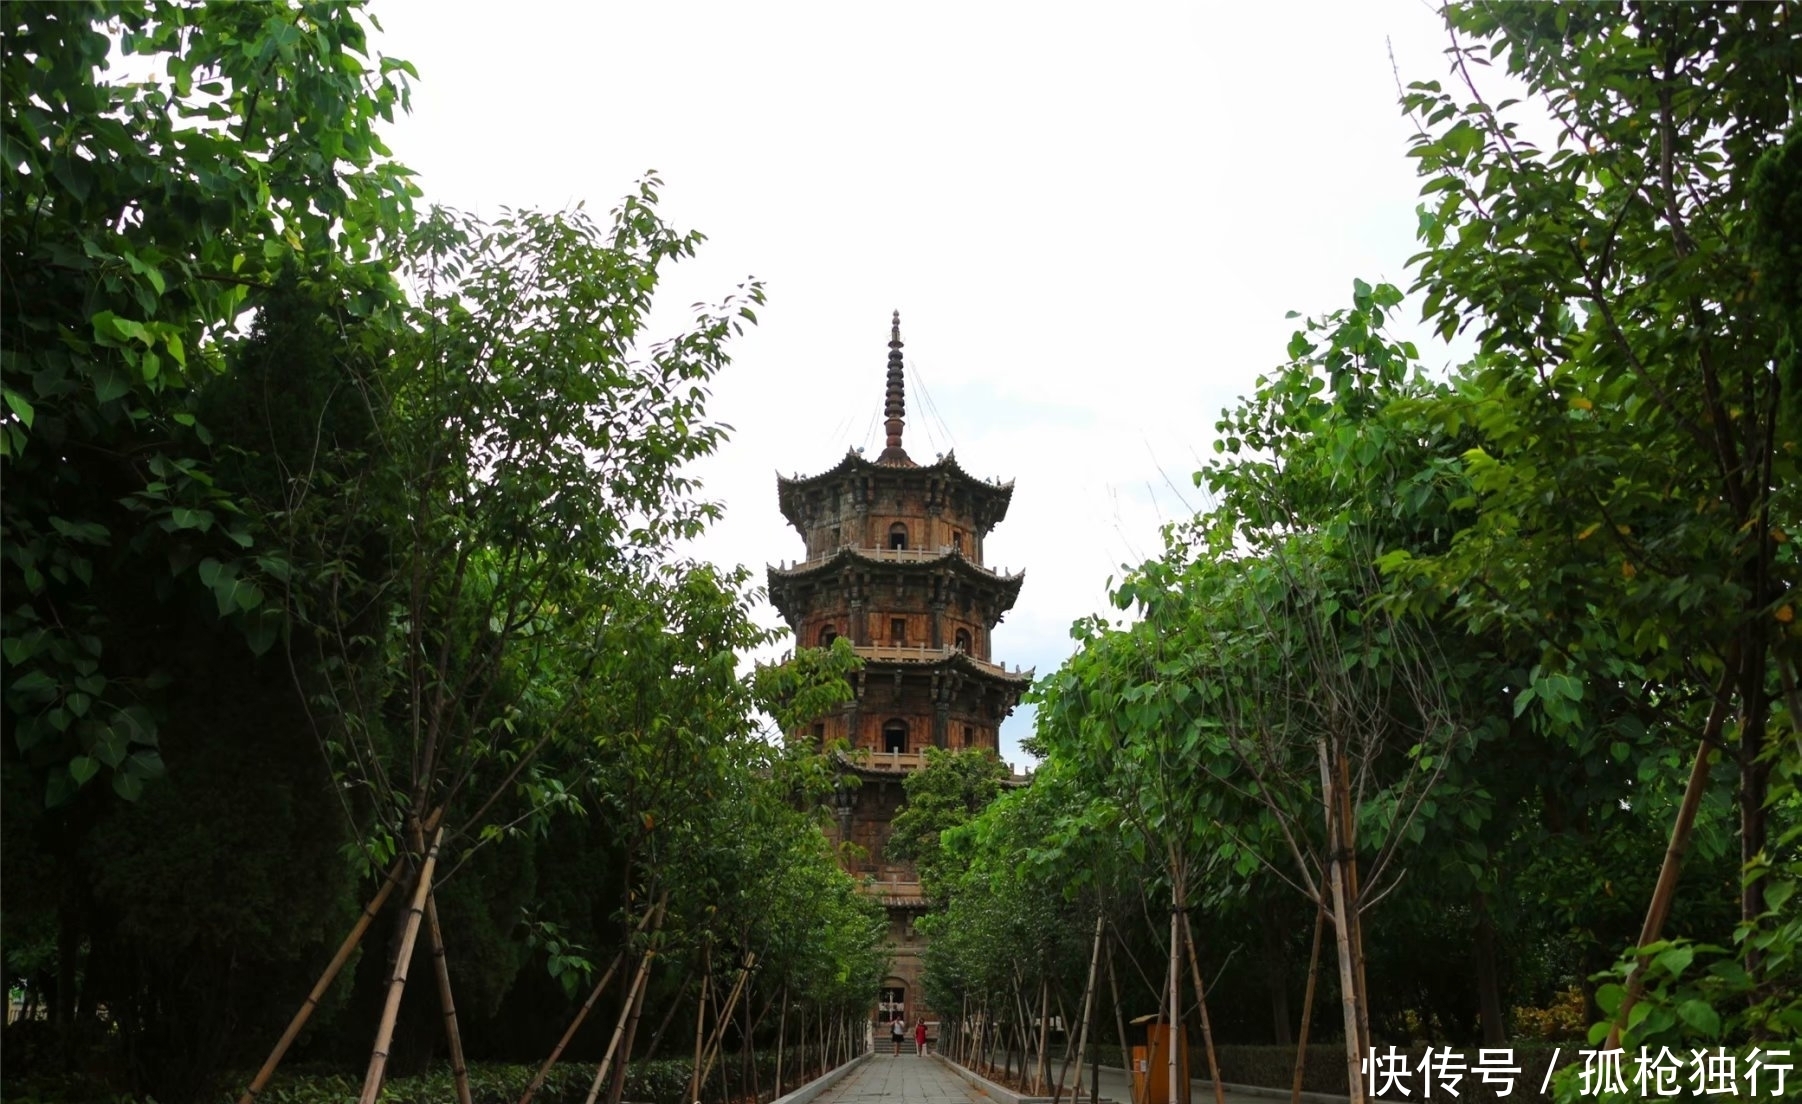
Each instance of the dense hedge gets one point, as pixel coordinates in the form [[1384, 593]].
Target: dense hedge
[[664, 1081], [1274, 1066]]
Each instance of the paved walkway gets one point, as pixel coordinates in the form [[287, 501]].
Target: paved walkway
[[908, 1077], [1116, 1086], [890, 1079]]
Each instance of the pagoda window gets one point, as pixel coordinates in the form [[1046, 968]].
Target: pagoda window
[[827, 635], [969, 736], [957, 541], [894, 736], [897, 631], [897, 536], [963, 640]]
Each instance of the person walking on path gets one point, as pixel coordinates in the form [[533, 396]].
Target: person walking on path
[[920, 1037], [896, 1029]]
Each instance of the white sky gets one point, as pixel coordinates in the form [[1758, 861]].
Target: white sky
[[1091, 219]]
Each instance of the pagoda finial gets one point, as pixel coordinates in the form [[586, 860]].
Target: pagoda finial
[[894, 407]]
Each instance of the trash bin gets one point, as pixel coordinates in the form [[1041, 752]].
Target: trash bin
[[1150, 1039]]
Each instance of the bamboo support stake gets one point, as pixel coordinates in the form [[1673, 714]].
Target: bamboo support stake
[[694, 1078], [781, 1036], [1666, 888], [1307, 1006], [397, 981], [1126, 1054], [723, 1018], [453, 1039], [1088, 1006], [570, 1032], [616, 1087], [1038, 1071], [619, 1028], [357, 931], [1348, 984], [1201, 998], [1174, 1024], [587, 1007]]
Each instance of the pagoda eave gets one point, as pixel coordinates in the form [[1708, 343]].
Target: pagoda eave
[[995, 494]]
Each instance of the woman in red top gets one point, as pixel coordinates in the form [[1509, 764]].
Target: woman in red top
[[920, 1036]]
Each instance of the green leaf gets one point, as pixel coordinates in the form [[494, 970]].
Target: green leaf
[[19, 405], [128, 786], [1699, 1015]]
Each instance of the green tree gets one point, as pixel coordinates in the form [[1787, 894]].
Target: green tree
[[946, 793], [143, 216], [1603, 241]]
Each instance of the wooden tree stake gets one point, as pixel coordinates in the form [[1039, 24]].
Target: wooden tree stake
[[1666, 889], [397, 982], [619, 1028], [357, 931], [1307, 1005], [587, 1007], [453, 1039], [1088, 1006]]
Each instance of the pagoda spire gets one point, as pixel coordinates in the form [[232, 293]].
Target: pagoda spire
[[894, 407]]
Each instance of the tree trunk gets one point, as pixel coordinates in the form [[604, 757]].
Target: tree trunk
[[1201, 998], [1276, 973], [1754, 789], [1307, 1006], [1342, 907], [1489, 985], [397, 981], [1038, 1070], [1348, 834]]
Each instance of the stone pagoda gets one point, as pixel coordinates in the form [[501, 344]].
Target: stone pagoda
[[894, 562]]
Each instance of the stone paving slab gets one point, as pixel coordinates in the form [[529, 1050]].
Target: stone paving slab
[[907, 1077]]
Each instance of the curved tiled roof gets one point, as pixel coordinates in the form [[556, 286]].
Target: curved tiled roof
[[854, 462], [783, 578]]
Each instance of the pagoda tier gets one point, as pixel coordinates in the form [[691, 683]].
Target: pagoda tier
[[908, 700], [860, 502], [899, 598]]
